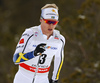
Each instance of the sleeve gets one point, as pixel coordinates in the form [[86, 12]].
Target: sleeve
[[58, 60], [20, 57], [22, 45]]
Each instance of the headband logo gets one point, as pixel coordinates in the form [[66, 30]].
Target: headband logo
[[53, 10]]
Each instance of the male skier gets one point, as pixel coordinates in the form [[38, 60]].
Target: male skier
[[37, 47]]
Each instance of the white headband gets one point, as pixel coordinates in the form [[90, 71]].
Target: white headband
[[50, 13]]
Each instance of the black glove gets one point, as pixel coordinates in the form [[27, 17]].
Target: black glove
[[52, 81], [39, 49]]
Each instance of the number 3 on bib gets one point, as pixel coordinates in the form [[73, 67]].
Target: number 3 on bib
[[42, 58]]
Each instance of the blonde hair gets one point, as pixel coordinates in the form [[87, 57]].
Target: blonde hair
[[50, 6]]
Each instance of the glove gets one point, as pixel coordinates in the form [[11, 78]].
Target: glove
[[39, 49], [53, 81]]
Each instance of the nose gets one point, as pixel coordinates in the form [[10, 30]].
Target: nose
[[51, 24]]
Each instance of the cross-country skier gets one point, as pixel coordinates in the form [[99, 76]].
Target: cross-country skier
[[37, 47]]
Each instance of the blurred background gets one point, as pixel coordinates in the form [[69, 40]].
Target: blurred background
[[79, 22]]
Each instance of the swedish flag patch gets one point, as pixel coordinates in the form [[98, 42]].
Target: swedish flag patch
[[53, 17]]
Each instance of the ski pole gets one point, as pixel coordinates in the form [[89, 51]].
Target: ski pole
[[36, 68]]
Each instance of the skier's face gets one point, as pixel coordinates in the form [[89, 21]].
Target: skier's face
[[48, 25]]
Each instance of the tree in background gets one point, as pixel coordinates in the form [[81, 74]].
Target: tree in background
[[83, 44]]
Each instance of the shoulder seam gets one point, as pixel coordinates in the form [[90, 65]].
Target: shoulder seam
[[27, 42]]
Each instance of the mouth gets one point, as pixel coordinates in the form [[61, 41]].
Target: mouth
[[49, 29]]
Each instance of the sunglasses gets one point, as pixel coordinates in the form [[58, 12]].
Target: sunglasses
[[50, 22]]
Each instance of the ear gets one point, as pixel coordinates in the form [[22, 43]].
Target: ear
[[40, 20]]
